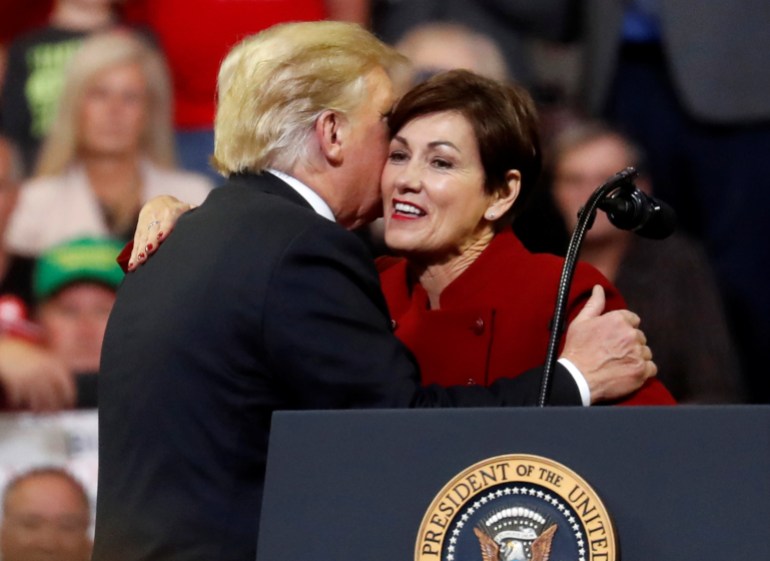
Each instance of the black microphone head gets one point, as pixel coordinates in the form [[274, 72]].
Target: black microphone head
[[630, 209], [660, 224]]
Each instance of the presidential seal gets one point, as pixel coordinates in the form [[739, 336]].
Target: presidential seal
[[516, 507]]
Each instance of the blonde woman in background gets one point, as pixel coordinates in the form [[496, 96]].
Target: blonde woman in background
[[110, 149]]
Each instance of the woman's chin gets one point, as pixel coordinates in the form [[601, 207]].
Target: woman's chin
[[400, 243]]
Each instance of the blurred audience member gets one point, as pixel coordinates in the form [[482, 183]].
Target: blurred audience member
[[508, 24], [438, 46], [15, 270], [668, 283], [196, 40], [36, 64], [46, 516], [74, 285], [109, 149]]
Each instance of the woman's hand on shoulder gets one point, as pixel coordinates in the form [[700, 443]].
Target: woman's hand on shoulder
[[157, 219]]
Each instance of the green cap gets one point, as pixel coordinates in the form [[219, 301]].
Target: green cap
[[80, 260]]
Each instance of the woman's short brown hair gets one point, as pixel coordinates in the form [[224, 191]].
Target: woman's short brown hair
[[503, 118]]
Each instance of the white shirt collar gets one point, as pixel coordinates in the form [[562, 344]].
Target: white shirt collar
[[313, 199]]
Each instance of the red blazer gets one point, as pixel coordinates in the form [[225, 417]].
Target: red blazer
[[494, 319]]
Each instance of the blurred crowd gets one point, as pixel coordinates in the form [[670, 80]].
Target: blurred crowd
[[107, 103]]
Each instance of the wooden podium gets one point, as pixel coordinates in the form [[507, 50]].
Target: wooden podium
[[685, 483]]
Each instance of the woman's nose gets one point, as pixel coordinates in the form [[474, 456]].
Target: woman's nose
[[409, 179]]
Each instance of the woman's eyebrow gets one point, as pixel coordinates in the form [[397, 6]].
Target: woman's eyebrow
[[432, 144], [437, 143]]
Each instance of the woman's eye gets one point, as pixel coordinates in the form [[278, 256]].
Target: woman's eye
[[441, 163], [397, 156]]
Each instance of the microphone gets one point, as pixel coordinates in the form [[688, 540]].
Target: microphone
[[631, 209], [627, 208]]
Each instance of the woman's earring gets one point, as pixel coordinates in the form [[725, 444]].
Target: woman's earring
[[491, 216]]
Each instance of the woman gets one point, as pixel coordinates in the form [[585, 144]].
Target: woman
[[465, 295], [109, 150], [37, 61]]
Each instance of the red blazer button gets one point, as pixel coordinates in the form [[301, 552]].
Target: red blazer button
[[478, 326]]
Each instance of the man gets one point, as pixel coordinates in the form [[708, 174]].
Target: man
[[46, 515], [74, 285], [74, 288], [262, 299]]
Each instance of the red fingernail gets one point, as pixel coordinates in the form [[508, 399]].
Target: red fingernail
[[141, 255], [160, 235], [149, 247], [131, 266]]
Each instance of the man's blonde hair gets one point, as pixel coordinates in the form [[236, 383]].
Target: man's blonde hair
[[100, 52], [272, 87]]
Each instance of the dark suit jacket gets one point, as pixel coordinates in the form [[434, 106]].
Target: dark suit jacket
[[254, 304]]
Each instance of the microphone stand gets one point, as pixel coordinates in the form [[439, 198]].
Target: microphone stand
[[585, 221]]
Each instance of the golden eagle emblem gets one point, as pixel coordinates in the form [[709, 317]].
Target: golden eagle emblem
[[521, 544]]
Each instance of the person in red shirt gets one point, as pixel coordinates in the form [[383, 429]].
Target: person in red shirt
[[466, 295], [195, 41]]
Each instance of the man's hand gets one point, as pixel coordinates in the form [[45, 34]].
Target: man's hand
[[33, 378], [609, 349], [156, 220]]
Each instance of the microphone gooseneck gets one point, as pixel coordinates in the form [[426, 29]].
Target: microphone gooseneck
[[628, 208]]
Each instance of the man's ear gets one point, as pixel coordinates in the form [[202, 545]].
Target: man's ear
[[329, 132], [503, 200]]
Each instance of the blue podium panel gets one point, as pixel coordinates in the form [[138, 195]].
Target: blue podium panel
[[680, 483]]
